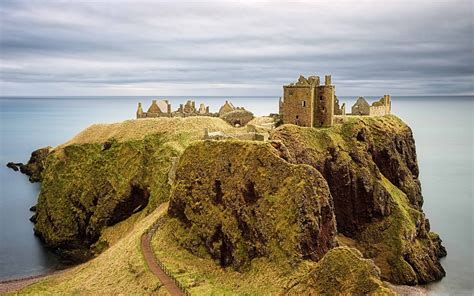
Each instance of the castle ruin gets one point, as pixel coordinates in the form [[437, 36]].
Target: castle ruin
[[233, 115], [157, 109], [308, 103]]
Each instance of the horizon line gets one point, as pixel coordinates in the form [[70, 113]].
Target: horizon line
[[215, 96]]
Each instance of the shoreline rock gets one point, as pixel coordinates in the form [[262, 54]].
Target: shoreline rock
[[35, 166]]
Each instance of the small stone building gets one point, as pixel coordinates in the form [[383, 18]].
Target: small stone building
[[227, 107], [361, 107]]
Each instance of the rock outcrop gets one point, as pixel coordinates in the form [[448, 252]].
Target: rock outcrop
[[237, 117], [35, 165], [106, 174], [344, 270], [87, 187], [371, 168], [240, 200]]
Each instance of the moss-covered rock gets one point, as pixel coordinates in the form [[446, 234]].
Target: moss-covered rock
[[87, 187], [342, 271], [107, 173], [238, 200], [371, 169], [238, 117], [35, 166]]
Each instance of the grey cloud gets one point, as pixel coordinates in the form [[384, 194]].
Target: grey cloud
[[398, 46]]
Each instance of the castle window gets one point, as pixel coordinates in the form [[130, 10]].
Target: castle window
[[321, 98], [290, 92], [324, 109], [303, 104]]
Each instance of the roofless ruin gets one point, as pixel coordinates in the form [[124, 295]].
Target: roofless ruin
[[308, 103], [305, 102]]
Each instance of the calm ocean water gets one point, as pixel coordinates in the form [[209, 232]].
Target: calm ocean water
[[443, 129]]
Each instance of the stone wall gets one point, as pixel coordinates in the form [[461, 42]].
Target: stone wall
[[296, 106], [377, 111], [324, 106]]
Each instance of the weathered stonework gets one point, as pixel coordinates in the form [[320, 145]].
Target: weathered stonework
[[307, 103], [226, 108], [361, 107], [157, 109], [381, 107], [163, 109]]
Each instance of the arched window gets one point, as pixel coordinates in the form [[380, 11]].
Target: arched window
[[303, 104]]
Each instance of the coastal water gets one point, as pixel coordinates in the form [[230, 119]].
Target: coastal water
[[442, 126]]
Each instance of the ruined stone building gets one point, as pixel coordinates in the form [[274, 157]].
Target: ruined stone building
[[229, 113], [378, 108], [189, 109], [226, 108], [361, 107], [157, 109], [308, 103], [381, 107]]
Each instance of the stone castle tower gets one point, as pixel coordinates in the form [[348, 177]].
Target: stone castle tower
[[307, 103]]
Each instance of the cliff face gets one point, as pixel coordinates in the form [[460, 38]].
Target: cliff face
[[87, 187], [371, 169], [107, 173], [240, 200], [35, 166]]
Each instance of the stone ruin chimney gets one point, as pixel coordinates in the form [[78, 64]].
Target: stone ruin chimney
[[327, 80], [139, 110]]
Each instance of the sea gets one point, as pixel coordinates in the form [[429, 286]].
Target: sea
[[442, 127]]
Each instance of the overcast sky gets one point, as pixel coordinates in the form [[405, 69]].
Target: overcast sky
[[229, 48]]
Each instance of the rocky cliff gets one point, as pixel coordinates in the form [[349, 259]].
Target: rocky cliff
[[240, 200], [371, 169], [292, 199], [35, 166], [107, 173]]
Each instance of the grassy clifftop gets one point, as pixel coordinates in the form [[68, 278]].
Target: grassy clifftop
[[192, 127]]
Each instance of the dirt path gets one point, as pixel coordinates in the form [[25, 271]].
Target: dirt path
[[153, 264]]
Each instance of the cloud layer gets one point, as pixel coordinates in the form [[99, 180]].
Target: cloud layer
[[231, 48]]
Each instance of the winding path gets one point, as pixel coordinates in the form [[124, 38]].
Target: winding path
[[147, 250], [153, 265]]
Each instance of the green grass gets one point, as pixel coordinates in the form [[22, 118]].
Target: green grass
[[120, 270]]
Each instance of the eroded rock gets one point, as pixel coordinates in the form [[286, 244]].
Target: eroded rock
[[342, 270], [240, 200], [371, 169]]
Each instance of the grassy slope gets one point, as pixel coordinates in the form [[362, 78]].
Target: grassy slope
[[138, 129], [120, 270], [342, 269], [84, 182], [203, 276]]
